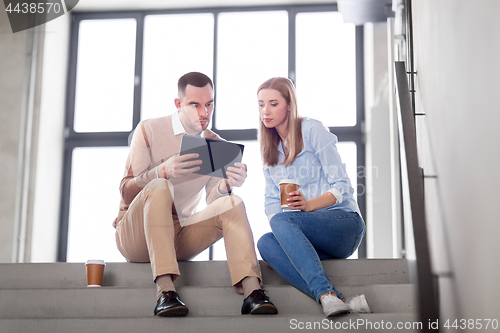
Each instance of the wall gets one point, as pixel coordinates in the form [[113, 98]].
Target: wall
[[379, 219], [12, 51], [48, 180], [456, 50], [20, 55]]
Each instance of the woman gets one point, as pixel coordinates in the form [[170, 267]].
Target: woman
[[324, 221]]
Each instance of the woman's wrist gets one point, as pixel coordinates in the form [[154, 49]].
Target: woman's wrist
[[308, 206], [327, 199]]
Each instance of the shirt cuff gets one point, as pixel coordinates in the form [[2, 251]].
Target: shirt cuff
[[336, 193], [145, 178]]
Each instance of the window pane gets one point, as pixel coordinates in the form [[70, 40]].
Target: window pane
[[105, 76], [326, 68], [348, 153], [173, 45], [252, 47], [94, 203]]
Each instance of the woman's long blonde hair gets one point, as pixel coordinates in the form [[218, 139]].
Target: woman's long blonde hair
[[269, 138]]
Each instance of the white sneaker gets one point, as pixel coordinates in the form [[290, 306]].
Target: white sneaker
[[332, 306], [358, 304]]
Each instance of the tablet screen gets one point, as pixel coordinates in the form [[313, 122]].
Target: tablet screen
[[216, 155]]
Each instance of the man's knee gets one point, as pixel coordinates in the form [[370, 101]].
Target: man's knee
[[159, 184], [231, 200], [231, 211], [230, 203], [160, 189]]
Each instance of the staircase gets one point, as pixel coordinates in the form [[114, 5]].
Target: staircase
[[53, 298]]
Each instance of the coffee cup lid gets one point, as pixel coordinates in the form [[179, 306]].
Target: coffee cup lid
[[94, 261], [289, 181]]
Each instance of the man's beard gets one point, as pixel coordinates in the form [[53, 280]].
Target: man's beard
[[207, 122]]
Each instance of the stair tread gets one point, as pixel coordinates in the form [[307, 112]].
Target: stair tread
[[201, 273], [225, 323]]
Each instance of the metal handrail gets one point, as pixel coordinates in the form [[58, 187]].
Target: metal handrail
[[427, 300]]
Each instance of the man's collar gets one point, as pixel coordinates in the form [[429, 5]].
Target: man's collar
[[177, 125], [179, 128]]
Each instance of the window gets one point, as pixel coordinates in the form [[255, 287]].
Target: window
[[252, 47], [326, 49], [124, 68], [173, 45], [105, 76], [93, 202]]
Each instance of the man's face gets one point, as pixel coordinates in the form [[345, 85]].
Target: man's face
[[195, 108]]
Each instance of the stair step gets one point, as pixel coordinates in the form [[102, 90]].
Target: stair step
[[202, 301], [193, 273], [237, 323]]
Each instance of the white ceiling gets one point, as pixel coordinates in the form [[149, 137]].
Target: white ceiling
[[100, 5]]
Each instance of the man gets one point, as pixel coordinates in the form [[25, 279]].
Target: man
[[160, 192]]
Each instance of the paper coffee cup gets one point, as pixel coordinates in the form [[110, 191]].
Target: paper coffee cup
[[287, 186], [95, 271]]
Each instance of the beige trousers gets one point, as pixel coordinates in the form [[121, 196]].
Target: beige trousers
[[149, 232]]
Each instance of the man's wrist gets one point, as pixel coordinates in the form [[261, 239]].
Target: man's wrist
[[167, 177], [162, 173], [226, 189]]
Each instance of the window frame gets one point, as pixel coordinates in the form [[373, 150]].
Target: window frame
[[73, 139]]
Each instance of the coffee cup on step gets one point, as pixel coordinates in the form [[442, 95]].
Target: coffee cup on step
[[287, 186], [95, 272]]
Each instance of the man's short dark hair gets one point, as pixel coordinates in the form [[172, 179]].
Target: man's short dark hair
[[195, 79]]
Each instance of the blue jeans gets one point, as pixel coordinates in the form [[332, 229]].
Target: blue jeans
[[300, 240]]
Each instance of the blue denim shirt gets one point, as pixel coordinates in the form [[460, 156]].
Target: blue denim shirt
[[318, 168]]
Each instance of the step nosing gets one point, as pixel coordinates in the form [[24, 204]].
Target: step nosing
[[229, 287]]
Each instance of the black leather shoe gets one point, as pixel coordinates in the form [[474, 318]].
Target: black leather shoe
[[169, 305], [258, 303]]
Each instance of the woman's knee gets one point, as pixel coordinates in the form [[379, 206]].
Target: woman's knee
[[264, 241], [265, 244], [280, 220]]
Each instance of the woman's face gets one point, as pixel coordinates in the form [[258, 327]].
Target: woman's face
[[273, 110]]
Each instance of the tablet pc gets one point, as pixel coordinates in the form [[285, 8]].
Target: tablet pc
[[216, 155]]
